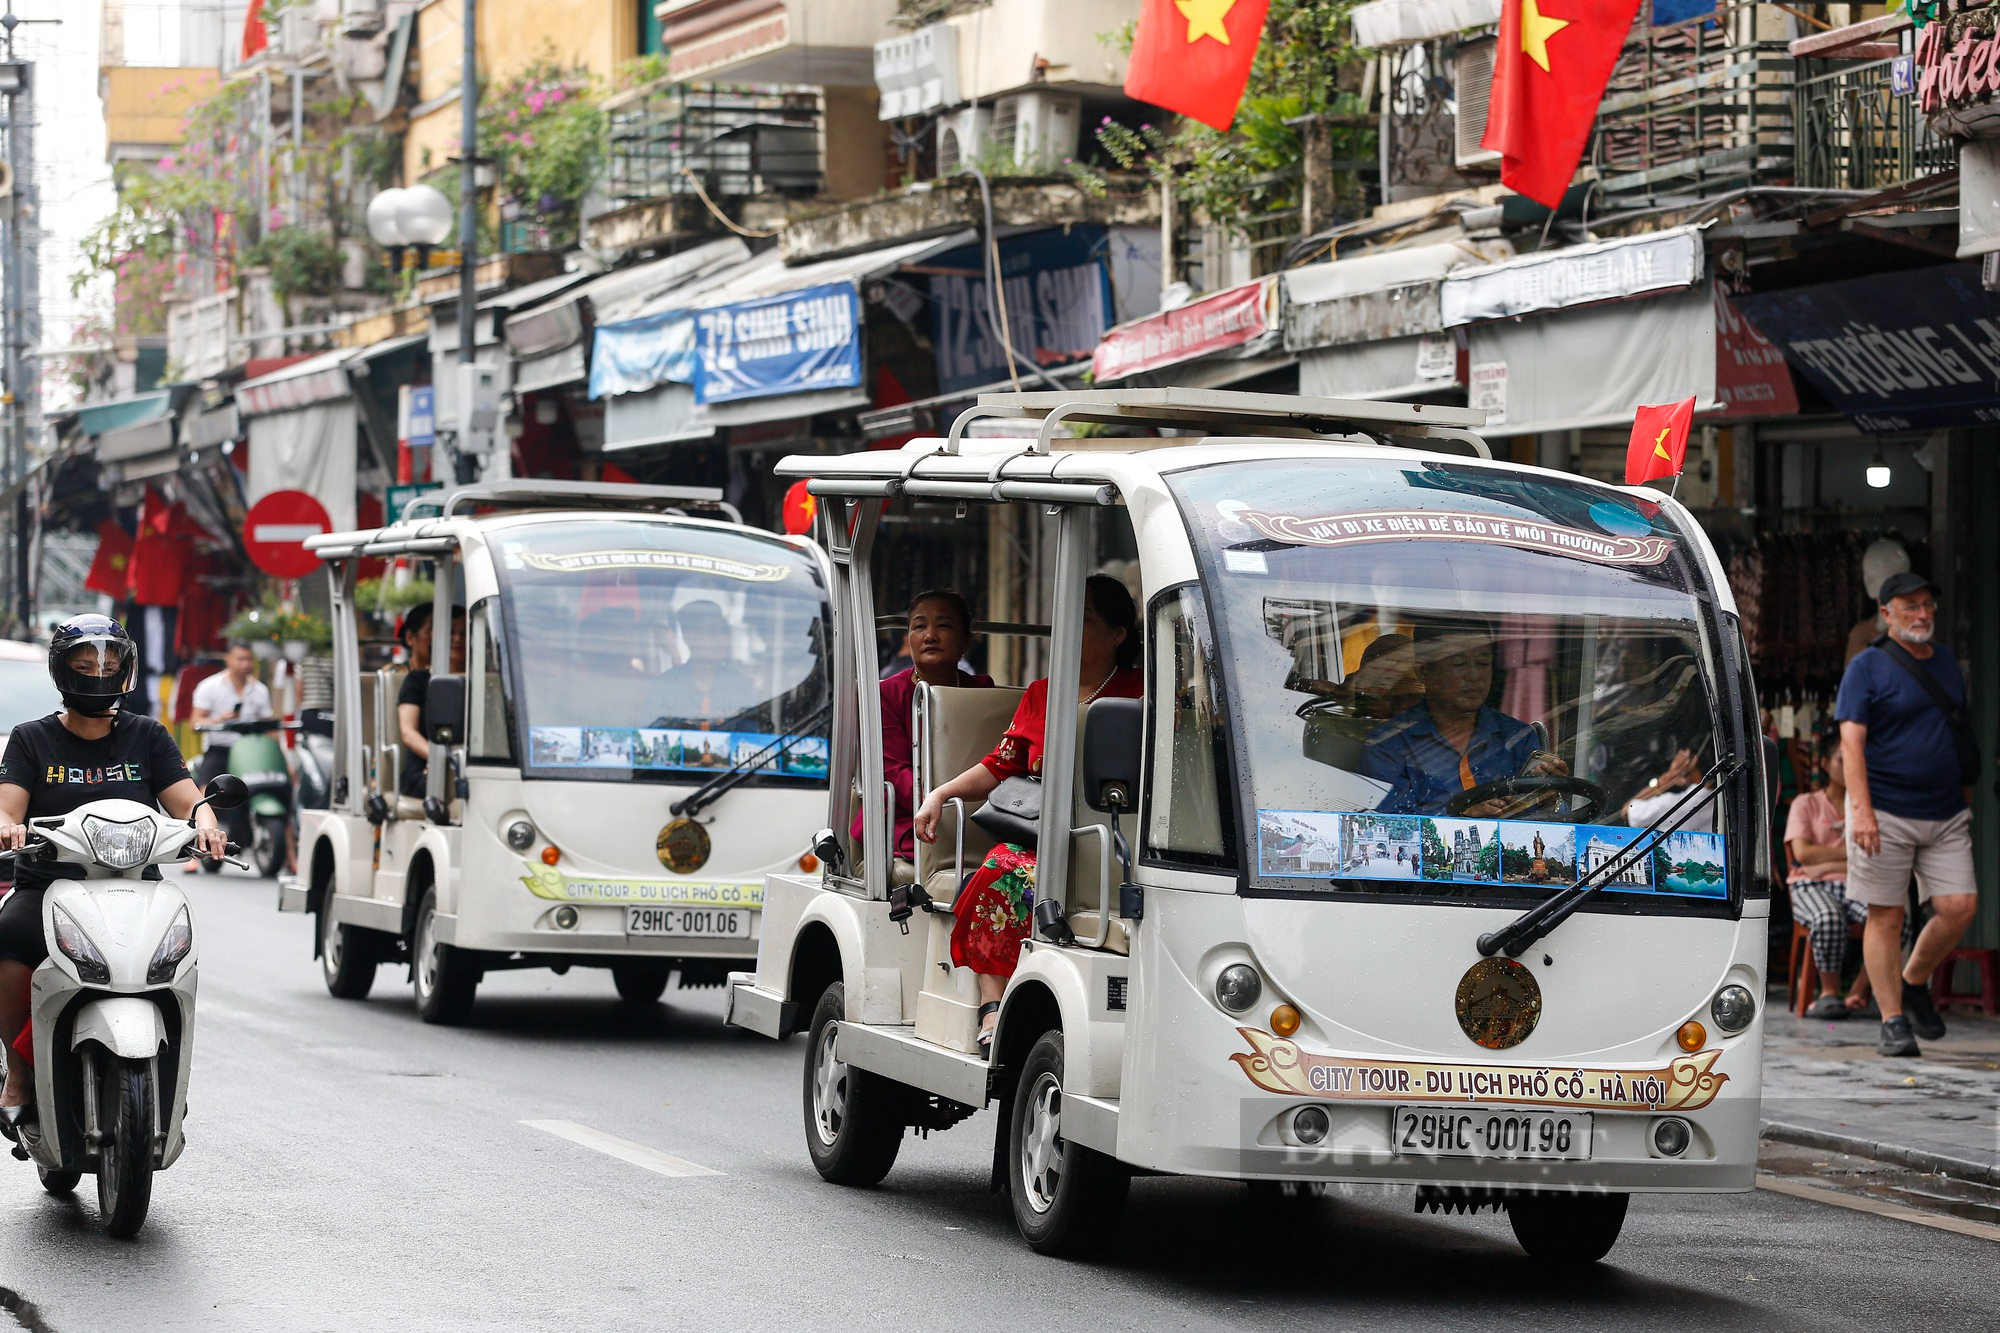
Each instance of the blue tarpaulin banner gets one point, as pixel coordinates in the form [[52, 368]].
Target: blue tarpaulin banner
[[1675, 11], [641, 354], [790, 343], [1915, 350], [1058, 294]]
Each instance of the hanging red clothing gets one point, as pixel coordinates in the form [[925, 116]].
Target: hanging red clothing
[[992, 914], [108, 567]]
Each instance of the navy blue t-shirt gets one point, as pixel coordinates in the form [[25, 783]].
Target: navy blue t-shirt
[[1912, 761]]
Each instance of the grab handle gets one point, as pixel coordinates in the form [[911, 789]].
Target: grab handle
[[1103, 881]]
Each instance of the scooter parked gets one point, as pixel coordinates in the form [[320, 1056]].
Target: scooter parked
[[113, 1005]]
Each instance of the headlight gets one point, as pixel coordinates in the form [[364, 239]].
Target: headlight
[[174, 946], [1733, 1007], [520, 835], [119, 846], [76, 946], [1238, 987]]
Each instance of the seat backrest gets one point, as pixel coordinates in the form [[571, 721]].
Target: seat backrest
[[386, 729], [954, 728]]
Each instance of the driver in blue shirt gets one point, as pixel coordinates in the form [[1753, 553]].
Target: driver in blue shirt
[[1452, 741]]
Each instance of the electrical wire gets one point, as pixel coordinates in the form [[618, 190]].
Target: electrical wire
[[996, 309]]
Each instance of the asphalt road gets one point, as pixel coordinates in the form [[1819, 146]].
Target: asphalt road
[[350, 1168]]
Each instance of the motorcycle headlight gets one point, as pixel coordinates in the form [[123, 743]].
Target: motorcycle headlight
[[119, 846], [174, 946], [76, 946]]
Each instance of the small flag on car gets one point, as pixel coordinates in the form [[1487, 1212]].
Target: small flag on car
[[1659, 441]]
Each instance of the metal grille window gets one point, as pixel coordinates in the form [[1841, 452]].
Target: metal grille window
[[736, 141]]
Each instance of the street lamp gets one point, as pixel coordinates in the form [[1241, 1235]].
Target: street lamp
[[423, 215], [385, 225]]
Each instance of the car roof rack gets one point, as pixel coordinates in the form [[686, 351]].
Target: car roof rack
[[526, 494], [1227, 412]]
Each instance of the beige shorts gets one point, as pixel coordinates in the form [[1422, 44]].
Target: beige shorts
[[1937, 851]]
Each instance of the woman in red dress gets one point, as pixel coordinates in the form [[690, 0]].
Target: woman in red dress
[[992, 913]]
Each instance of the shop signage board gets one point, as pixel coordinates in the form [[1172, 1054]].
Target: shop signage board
[[1915, 350], [1751, 378], [400, 496], [638, 354], [793, 342], [420, 416], [275, 532], [1957, 73], [1058, 294], [1576, 275], [1230, 318]]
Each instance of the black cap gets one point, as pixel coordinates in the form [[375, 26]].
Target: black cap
[[1902, 585]]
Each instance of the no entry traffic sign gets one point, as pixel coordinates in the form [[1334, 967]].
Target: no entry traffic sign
[[275, 532]]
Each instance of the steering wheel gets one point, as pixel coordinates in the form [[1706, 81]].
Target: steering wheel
[[1596, 797]]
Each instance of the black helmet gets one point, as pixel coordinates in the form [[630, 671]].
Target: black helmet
[[92, 661]]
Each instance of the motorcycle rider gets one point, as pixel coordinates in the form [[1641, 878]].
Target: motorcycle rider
[[233, 694], [90, 751]]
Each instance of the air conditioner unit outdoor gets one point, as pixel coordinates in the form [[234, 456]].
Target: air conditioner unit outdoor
[[360, 18], [1473, 71], [960, 136], [1040, 125]]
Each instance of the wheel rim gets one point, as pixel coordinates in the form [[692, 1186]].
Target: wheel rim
[[329, 940], [829, 1090], [1042, 1145], [427, 954]]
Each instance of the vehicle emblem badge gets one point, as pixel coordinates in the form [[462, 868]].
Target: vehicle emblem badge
[[683, 846], [1499, 1003]]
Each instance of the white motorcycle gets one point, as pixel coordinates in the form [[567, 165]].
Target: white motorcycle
[[113, 1006]]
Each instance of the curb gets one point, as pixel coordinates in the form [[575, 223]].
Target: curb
[[1959, 1168]]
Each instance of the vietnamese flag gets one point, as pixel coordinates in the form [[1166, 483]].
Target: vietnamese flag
[[1554, 58], [107, 568], [1659, 442], [1193, 56]]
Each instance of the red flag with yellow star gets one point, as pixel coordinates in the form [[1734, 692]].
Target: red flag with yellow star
[[1193, 56], [1659, 443], [1554, 58]]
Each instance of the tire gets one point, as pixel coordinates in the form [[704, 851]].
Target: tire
[[853, 1124], [60, 1182], [346, 960], [641, 981], [1066, 1197], [125, 1157], [267, 845], [1286, 1195], [1571, 1230], [446, 979]]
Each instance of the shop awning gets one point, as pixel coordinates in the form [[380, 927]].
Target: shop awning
[[669, 414], [1577, 275], [317, 379], [1238, 324], [1577, 369], [98, 418], [201, 430], [1400, 22], [1915, 350], [1392, 294], [614, 296]]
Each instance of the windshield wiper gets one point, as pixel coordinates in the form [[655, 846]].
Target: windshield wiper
[[739, 772], [1520, 934]]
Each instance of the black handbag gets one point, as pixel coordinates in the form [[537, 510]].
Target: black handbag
[[1013, 813]]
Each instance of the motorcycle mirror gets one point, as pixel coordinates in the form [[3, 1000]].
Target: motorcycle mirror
[[226, 791]]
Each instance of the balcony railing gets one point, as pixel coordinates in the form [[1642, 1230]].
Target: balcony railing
[[735, 141], [1857, 133], [1692, 109]]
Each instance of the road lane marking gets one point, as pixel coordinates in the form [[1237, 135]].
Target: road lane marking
[[638, 1154], [1964, 1226]]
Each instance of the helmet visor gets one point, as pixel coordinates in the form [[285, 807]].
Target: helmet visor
[[97, 665]]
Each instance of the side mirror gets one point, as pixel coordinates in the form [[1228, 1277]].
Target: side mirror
[[225, 791], [444, 710], [318, 721], [1113, 744]]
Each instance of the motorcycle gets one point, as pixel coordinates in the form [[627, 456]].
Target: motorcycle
[[259, 759], [113, 1005]]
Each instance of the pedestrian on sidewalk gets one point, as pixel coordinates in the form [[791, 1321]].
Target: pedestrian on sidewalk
[[1911, 761]]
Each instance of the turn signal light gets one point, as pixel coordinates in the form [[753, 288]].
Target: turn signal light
[[550, 855], [1692, 1036], [1284, 1020], [808, 864]]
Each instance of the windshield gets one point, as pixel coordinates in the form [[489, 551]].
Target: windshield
[[663, 651], [25, 693], [1454, 682]]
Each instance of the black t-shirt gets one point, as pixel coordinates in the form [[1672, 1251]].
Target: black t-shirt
[[416, 686], [61, 771]]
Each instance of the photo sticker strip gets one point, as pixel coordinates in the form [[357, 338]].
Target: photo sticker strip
[[1297, 844], [1459, 851], [1385, 525]]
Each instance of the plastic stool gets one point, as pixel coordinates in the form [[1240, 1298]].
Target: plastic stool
[[1986, 995]]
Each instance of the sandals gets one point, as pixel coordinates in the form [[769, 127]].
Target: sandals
[[986, 1033], [1829, 1009]]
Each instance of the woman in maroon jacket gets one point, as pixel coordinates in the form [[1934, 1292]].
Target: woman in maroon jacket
[[940, 629]]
